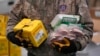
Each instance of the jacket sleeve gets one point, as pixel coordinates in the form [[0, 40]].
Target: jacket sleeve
[[87, 23], [14, 16]]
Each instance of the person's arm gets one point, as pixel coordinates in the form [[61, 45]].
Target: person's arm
[[80, 42], [16, 15], [87, 22]]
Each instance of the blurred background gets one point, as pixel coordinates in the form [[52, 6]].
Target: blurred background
[[9, 49]]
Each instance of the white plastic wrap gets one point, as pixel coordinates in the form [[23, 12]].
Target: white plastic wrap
[[72, 31]]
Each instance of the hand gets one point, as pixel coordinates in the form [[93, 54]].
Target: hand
[[25, 43], [18, 35], [65, 45], [15, 37]]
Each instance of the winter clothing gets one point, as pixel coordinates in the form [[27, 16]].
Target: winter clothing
[[46, 10]]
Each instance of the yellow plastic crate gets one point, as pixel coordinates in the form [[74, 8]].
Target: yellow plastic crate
[[22, 24], [4, 55], [3, 45], [13, 47], [15, 53], [3, 24], [33, 31], [14, 50]]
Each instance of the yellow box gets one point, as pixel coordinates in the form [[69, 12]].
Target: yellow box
[[15, 53], [3, 45], [22, 24], [14, 50], [3, 24], [33, 31], [13, 47], [4, 55]]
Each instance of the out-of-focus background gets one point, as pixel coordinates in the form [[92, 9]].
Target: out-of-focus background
[[9, 49]]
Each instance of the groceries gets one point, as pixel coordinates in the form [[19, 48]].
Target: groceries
[[66, 26], [71, 31], [33, 31], [64, 19]]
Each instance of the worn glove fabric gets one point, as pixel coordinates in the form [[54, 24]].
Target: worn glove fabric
[[66, 49], [12, 38]]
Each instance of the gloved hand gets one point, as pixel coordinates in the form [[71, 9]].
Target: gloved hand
[[16, 38], [65, 45]]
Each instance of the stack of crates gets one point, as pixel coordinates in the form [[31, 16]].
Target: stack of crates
[[3, 41], [3, 23], [4, 46], [14, 50], [7, 48]]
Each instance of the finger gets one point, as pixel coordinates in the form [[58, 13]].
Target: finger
[[28, 40], [53, 45], [59, 44], [30, 45], [67, 42], [60, 49], [21, 39]]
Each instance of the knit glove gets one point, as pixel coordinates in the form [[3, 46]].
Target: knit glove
[[65, 45], [16, 38]]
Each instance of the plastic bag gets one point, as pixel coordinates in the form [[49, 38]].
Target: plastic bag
[[71, 31]]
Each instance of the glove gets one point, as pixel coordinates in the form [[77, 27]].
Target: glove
[[15, 37], [65, 45]]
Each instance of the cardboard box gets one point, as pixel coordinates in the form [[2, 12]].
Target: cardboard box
[[3, 24], [95, 12], [3, 45], [96, 24], [96, 37]]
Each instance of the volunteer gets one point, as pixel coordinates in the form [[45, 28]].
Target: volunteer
[[46, 10]]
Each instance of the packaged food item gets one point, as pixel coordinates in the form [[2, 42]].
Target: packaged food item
[[65, 26], [64, 19], [69, 31]]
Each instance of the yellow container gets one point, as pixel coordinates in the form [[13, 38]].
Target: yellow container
[[22, 24], [3, 45], [3, 24], [13, 47], [14, 50], [4, 55], [33, 31], [15, 53]]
